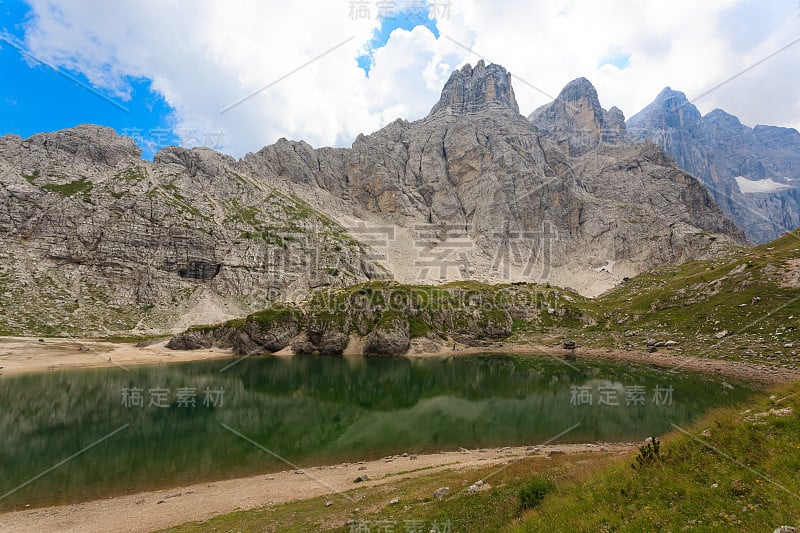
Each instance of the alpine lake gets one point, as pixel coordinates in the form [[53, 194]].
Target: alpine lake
[[84, 434]]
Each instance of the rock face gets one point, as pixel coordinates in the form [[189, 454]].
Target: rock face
[[389, 338], [383, 318], [576, 121], [98, 239], [478, 172], [752, 173], [103, 241], [471, 89]]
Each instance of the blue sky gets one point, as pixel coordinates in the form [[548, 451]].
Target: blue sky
[[404, 20], [36, 96], [318, 74]]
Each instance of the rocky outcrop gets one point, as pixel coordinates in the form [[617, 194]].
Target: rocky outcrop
[[575, 120], [389, 338], [753, 174], [384, 317], [472, 89], [268, 331], [100, 240]]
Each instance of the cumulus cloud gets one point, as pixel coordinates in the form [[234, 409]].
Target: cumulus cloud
[[204, 56]]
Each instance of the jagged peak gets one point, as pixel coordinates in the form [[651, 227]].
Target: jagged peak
[[719, 116], [668, 93], [577, 89], [577, 120], [670, 108], [472, 88], [90, 141]]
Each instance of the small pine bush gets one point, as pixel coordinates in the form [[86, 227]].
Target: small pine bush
[[648, 454], [534, 492]]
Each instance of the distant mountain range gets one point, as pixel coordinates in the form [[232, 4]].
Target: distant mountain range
[[753, 174], [97, 240]]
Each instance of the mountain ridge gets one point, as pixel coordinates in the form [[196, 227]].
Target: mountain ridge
[[471, 191]]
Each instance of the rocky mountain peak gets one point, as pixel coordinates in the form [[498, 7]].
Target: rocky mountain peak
[[576, 119], [670, 109], [720, 151], [87, 142], [578, 90], [471, 89]]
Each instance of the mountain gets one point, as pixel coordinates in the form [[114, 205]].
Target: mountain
[[477, 171], [576, 121], [95, 239], [752, 173]]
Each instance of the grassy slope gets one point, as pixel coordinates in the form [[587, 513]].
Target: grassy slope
[[754, 461], [695, 301]]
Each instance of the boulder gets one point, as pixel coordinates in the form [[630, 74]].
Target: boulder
[[389, 338], [191, 340]]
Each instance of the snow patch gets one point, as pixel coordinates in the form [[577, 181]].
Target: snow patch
[[756, 186]]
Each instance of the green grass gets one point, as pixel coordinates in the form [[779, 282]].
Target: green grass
[[30, 178], [81, 186], [370, 508], [134, 173], [741, 475]]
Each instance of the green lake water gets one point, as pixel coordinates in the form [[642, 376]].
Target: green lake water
[[113, 431]]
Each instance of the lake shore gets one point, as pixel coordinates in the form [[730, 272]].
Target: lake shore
[[21, 355], [159, 509]]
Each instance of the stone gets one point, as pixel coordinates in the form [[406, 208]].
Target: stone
[[471, 89], [388, 339], [721, 334], [394, 501], [576, 121], [441, 492], [478, 486], [198, 237], [189, 340]]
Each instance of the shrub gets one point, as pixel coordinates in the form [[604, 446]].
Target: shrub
[[649, 454], [534, 492]]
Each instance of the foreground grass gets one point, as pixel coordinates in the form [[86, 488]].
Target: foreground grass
[[734, 470]]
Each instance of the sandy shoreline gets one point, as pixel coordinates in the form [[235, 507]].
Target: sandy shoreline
[[20, 355], [24, 355], [153, 510]]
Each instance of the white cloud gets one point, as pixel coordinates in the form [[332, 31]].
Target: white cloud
[[205, 56]]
